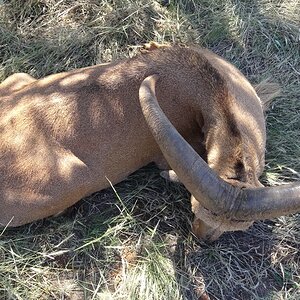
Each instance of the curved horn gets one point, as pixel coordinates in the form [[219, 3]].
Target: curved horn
[[215, 194]]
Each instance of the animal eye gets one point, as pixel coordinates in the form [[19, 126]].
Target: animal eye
[[240, 173], [239, 166]]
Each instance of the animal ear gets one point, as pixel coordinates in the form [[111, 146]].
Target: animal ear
[[267, 91]]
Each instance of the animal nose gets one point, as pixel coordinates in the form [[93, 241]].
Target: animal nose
[[204, 231]]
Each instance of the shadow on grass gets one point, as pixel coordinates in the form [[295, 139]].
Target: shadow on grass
[[238, 266], [57, 44]]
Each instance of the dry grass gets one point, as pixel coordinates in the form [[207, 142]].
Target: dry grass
[[135, 242]]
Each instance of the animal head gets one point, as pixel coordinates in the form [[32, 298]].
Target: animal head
[[226, 193]]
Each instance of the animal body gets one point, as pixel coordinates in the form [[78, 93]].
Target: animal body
[[64, 136]]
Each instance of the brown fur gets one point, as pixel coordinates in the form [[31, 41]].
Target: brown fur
[[64, 135]]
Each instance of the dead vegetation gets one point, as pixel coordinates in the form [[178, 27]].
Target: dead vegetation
[[134, 242]]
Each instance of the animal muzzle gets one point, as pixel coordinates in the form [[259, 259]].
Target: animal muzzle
[[209, 226]]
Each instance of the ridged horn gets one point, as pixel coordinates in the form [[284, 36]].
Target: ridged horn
[[203, 183]]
